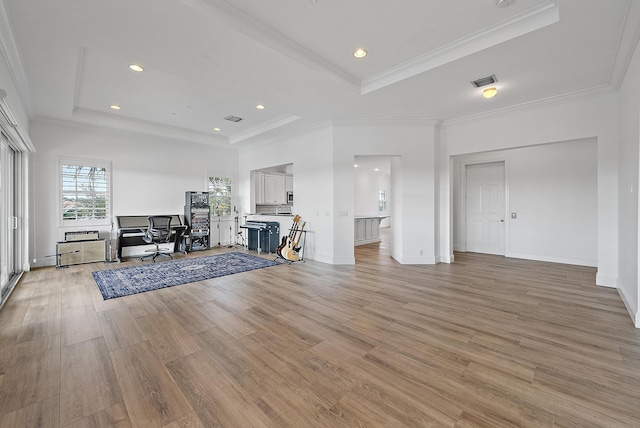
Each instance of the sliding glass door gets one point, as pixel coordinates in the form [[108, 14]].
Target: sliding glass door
[[8, 226]]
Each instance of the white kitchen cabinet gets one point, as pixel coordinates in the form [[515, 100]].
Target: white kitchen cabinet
[[274, 186], [288, 183], [359, 230], [258, 182], [367, 229], [372, 229]]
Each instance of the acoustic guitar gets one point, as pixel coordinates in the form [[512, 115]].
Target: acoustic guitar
[[291, 251], [289, 238]]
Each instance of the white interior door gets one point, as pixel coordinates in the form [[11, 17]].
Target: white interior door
[[485, 208]]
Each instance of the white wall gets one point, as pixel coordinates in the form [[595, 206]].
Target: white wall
[[368, 185], [589, 118], [413, 195], [553, 190], [324, 183], [311, 154], [628, 190], [149, 174]]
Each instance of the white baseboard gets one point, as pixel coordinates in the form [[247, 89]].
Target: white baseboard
[[606, 281], [420, 260], [445, 259], [635, 316], [343, 261], [553, 259]]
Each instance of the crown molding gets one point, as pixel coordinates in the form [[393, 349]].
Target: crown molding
[[224, 13], [92, 117], [523, 23], [263, 127], [598, 91], [627, 43], [384, 122], [11, 54]]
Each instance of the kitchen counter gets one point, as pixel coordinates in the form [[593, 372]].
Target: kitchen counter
[[366, 229]]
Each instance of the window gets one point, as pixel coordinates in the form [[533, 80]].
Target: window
[[382, 201], [85, 192], [220, 196]]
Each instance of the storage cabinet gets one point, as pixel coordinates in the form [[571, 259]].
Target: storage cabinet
[[258, 182], [367, 230], [288, 183], [274, 186]]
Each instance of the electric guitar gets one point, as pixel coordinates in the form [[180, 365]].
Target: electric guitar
[[291, 251], [289, 238]]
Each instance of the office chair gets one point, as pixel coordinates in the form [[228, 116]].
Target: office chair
[[158, 232]]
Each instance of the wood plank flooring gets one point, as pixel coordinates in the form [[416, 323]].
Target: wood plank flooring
[[484, 342]]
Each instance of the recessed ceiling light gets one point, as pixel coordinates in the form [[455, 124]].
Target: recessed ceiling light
[[114, 107], [136, 67], [260, 107], [489, 92], [355, 165], [360, 53], [376, 169], [217, 129]]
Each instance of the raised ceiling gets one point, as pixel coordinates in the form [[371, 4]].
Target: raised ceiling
[[208, 59]]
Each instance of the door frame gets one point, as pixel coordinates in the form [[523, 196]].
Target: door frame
[[463, 197]]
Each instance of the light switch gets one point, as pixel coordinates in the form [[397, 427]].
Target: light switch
[[514, 215]]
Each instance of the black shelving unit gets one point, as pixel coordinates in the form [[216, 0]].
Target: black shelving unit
[[197, 217]]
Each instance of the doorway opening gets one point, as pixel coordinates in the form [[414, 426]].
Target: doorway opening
[[372, 205]]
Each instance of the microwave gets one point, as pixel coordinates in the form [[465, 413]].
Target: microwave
[[289, 197]]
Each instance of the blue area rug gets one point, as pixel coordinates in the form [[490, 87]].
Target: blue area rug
[[140, 278]]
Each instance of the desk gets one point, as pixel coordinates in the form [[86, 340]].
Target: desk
[[131, 229]]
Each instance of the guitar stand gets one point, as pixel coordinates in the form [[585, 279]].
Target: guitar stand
[[279, 258]]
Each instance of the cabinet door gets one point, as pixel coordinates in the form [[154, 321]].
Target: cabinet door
[[288, 183], [274, 189], [258, 178], [371, 231], [359, 230]]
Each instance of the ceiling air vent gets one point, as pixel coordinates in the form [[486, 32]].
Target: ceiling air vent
[[484, 81], [233, 118]]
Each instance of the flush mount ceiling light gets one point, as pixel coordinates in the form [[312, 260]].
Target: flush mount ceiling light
[[114, 107], [260, 107], [360, 53], [136, 67], [489, 92]]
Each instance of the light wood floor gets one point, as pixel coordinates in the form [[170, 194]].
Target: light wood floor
[[484, 342]]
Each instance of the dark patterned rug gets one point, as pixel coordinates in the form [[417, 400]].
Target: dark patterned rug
[[146, 277]]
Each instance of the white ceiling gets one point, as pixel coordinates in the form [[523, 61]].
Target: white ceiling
[[207, 59]]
